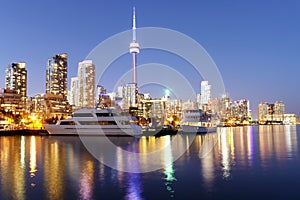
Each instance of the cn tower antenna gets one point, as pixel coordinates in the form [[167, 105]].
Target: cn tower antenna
[[133, 26], [134, 49]]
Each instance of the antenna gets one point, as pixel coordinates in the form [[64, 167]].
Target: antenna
[[133, 26]]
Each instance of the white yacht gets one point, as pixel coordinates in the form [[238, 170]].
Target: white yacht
[[95, 122], [194, 121]]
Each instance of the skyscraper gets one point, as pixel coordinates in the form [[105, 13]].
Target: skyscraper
[[205, 94], [16, 79], [74, 93], [57, 75], [86, 83]]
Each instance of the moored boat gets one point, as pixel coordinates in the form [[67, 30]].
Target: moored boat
[[106, 122], [198, 129], [195, 121], [159, 131]]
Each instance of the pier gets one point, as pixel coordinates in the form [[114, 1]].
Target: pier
[[24, 132]]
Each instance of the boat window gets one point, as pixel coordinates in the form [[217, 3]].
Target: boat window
[[105, 114], [67, 123], [124, 122], [107, 123], [83, 115], [88, 122]]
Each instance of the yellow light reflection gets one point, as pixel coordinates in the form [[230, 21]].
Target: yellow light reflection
[[22, 151], [54, 170], [32, 162], [12, 173]]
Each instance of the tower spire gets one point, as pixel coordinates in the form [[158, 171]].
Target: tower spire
[[133, 26], [134, 48]]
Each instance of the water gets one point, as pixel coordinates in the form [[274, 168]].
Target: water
[[235, 163]]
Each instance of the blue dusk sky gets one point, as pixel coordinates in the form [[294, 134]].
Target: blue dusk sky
[[255, 44]]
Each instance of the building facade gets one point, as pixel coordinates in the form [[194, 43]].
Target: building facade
[[10, 101], [86, 84], [57, 75], [129, 95], [205, 95], [74, 92], [16, 79], [271, 112], [50, 106]]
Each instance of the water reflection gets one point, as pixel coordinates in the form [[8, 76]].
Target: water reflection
[[207, 147], [12, 173], [277, 141], [87, 181], [224, 145], [22, 152], [168, 166], [32, 162], [124, 154], [61, 167], [54, 170], [134, 188]]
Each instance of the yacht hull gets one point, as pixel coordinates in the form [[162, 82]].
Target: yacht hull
[[95, 131], [198, 129]]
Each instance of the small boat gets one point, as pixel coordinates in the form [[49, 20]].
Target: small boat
[[198, 129], [159, 131], [195, 121], [105, 122]]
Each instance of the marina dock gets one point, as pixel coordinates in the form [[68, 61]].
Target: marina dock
[[24, 132]]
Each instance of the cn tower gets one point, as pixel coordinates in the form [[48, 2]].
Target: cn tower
[[134, 49]]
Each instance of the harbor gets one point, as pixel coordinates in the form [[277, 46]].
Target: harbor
[[35, 167], [140, 100]]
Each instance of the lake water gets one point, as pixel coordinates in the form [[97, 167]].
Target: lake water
[[259, 162]]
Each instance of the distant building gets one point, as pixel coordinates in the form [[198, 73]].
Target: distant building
[[103, 100], [74, 92], [290, 119], [279, 111], [49, 106], [241, 110], [222, 108], [86, 83], [57, 75], [10, 101], [153, 111], [189, 105], [205, 95], [130, 95], [16, 79], [271, 112]]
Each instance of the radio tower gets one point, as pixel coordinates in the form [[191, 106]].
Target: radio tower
[[134, 49]]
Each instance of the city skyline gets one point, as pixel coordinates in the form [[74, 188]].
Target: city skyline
[[254, 45]]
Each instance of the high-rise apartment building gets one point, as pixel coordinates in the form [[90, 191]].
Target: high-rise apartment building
[[131, 93], [86, 84], [205, 95], [57, 75], [16, 79], [74, 93], [268, 112], [241, 110]]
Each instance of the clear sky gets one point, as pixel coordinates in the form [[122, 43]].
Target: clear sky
[[255, 44]]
